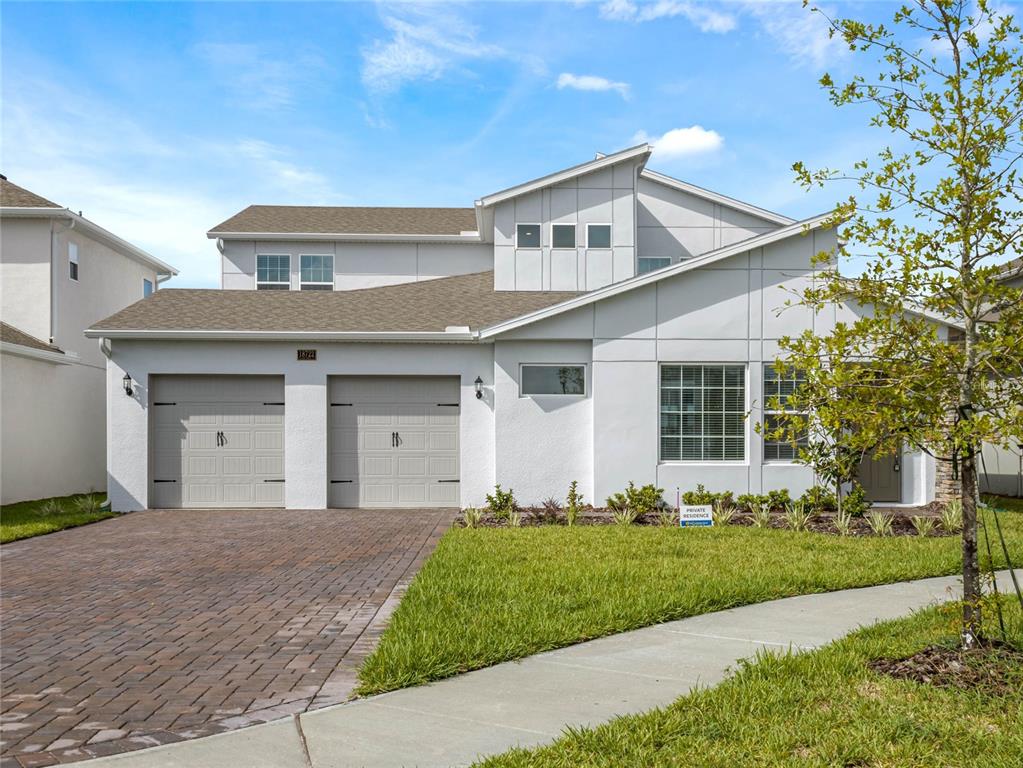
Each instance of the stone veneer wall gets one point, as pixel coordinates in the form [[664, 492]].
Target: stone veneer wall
[[946, 487]]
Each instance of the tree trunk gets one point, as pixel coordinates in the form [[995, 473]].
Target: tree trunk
[[971, 631]]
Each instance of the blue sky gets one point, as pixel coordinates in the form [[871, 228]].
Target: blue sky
[[158, 120]]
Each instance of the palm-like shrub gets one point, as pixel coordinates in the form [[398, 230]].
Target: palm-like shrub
[[922, 524], [951, 516], [880, 522], [472, 517], [798, 515]]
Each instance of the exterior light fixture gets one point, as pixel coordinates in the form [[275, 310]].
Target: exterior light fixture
[[479, 388], [966, 411], [127, 385]]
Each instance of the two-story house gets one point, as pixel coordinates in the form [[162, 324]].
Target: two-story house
[[59, 273], [604, 323]]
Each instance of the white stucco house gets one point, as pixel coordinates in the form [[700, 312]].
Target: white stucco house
[[59, 273], [604, 323]]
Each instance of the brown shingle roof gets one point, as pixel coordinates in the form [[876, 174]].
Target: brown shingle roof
[[326, 220], [426, 306], [11, 195], [12, 335]]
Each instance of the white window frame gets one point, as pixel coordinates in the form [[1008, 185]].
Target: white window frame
[[575, 236], [652, 258], [610, 239], [255, 275], [586, 377], [72, 258], [745, 462], [302, 283], [539, 229], [773, 412], [152, 287]]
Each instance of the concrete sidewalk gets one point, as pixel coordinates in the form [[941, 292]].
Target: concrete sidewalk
[[530, 702]]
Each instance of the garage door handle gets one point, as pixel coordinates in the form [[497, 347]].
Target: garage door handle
[[274, 481], [448, 481], [342, 481], [165, 481], [273, 403]]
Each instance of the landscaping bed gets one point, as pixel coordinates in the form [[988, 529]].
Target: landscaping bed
[[837, 706], [34, 518]]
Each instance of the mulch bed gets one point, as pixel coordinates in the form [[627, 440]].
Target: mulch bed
[[994, 668]]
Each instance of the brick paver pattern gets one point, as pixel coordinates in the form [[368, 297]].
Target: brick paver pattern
[[171, 624]]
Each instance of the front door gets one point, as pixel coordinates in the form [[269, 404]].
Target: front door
[[881, 478]]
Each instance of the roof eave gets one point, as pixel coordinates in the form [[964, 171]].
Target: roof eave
[[461, 237], [323, 336], [47, 355], [706, 194]]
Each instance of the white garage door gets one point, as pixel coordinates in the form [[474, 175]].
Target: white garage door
[[393, 441], [217, 441]]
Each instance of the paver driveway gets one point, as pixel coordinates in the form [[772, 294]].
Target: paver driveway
[[163, 625]]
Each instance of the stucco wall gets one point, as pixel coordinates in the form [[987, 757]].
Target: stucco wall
[[606, 196], [359, 265], [1000, 470], [52, 429], [25, 275], [305, 395]]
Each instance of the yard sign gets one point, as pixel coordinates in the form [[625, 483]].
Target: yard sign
[[695, 514]]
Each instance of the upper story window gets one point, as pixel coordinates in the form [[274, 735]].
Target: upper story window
[[147, 288], [273, 272], [778, 387], [527, 235], [552, 379], [563, 235], [703, 413], [317, 272], [72, 261], [598, 235], [650, 263]]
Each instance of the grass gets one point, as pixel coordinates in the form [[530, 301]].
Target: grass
[[824, 708], [492, 595], [34, 518], [1005, 502]]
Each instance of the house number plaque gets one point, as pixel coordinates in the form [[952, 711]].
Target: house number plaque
[[307, 354]]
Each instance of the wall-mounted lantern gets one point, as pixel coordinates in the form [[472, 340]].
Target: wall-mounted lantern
[[127, 385], [479, 388]]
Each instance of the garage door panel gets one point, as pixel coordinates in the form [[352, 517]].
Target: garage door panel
[[424, 413], [191, 414]]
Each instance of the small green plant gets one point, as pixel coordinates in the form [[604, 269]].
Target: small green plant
[[818, 499], [880, 522], [573, 504], [761, 515], [722, 513], [843, 522], [700, 496], [624, 515], [748, 501], [855, 502], [951, 516], [50, 508], [798, 515], [501, 503], [641, 500], [778, 499], [87, 504], [515, 520], [472, 517], [667, 517], [923, 524], [548, 512]]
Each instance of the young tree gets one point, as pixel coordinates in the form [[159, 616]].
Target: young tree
[[940, 212]]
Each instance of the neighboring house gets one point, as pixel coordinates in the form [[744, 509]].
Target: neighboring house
[[59, 273], [604, 324]]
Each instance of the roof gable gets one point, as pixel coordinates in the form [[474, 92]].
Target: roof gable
[[13, 196], [714, 197]]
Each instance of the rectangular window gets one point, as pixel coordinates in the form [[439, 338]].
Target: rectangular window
[[563, 235], [778, 387], [598, 235], [703, 413], [147, 288], [72, 261], [650, 263], [317, 273], [527, 235], [552, 380], [273, 272]]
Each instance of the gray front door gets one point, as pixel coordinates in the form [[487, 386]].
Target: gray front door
[[881, 478]]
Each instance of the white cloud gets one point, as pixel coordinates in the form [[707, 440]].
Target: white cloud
[[425, 42], [254, 77], [705, 18], [591, 83], [682, 142], [802, 35]]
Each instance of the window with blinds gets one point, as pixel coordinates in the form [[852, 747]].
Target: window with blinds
[[703, 413], [778, 387]]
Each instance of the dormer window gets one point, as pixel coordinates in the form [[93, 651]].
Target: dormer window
[[598, 235], [273, 272], [527, 236], [563, 235], [317, 273]]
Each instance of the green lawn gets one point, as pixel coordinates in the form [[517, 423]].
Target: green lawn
[[31, 518], [1005, 502], [491, 595], [824, 708]]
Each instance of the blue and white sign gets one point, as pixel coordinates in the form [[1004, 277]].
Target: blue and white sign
[[695, 514]]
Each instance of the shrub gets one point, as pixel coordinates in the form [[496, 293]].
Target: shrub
[[624, 515], [779, 499], [855, 502], [501, 503], [923, 524], [951, 516], [843, 522], [818, 499], [722, 513], [880, 522], [87, 504], [702, 496], [749, 501], [472, 517], [641, 500], [515, 520], [666, 517], [574, 503], [761, 515], [548, 511], [50, 508], [797, 515]]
